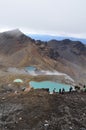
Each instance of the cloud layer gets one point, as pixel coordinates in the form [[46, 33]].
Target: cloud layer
[[47, 16]]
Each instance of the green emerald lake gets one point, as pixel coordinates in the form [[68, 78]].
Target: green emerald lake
[[49, 84]]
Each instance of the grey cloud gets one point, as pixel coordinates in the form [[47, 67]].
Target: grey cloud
[[44, 15]]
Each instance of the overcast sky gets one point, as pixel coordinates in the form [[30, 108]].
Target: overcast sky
[[66, 17]]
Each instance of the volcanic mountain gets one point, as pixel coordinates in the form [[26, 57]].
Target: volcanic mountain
[[19, 50]]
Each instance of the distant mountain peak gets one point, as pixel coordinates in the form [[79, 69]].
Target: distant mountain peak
[[14, 32]]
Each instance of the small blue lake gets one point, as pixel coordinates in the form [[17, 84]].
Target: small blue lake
[[30, 68], [49, 84]]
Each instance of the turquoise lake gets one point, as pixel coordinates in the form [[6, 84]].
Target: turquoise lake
[[49, 84], [30, 68]]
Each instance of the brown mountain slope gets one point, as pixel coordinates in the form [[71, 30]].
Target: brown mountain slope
[[16, 49], [12, 41], [68, 57]]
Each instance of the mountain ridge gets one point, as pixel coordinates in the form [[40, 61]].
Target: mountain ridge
[[47, 38]]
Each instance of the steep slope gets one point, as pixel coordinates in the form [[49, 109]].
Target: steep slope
[[73, 52], [12, 41], [16, 49], [68, 57]]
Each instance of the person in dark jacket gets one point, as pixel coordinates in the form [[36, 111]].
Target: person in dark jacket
[[54, 90], [60, 91], [70, 89], [63, 90]]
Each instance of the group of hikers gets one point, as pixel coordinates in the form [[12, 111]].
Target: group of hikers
[[62, 91], [77, 88]]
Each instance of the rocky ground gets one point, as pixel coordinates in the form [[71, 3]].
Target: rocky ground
[[39, 110]]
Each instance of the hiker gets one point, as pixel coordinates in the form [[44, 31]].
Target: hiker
[[63, 90], [60, 91], [70, 89], [54, 90], [84, 88]]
